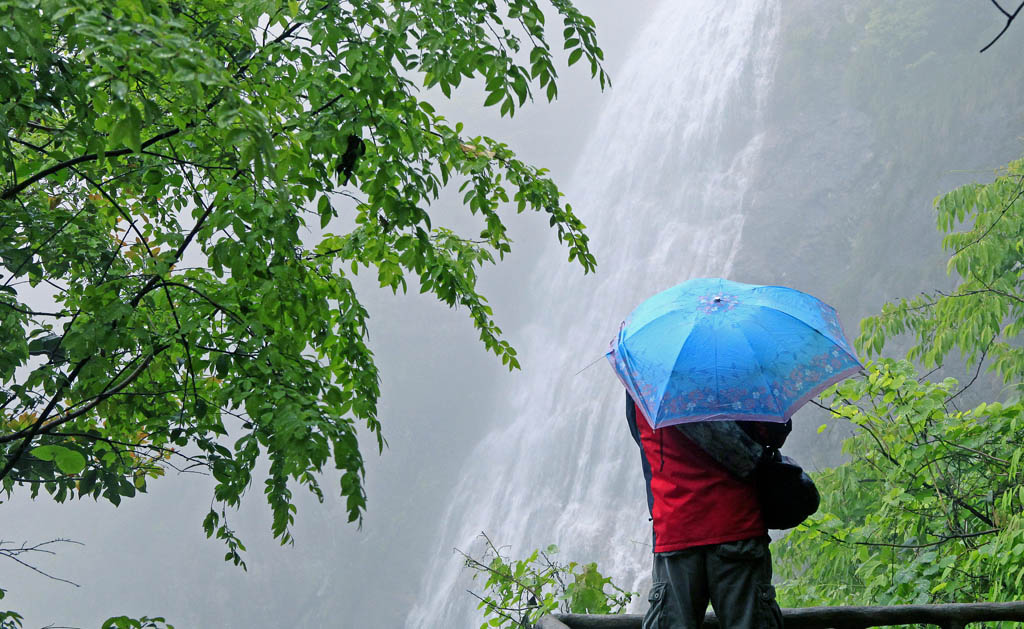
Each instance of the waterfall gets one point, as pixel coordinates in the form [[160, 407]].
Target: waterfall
[[661, 185]]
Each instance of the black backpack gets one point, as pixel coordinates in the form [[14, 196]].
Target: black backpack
[[787, 494]]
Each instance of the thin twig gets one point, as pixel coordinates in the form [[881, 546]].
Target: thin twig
[[1009, 20], [977, 372], [943, 540], [12, 553]]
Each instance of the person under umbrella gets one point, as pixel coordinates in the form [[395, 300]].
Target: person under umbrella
[[713, 371]]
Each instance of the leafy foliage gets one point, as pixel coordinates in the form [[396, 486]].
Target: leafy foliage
[[983, 316], [187, 190], [519, 591], [124, 622], [930, 507], [928, 510], [14, 620], [10, 619]]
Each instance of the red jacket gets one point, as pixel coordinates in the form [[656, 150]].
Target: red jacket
[[693, 499]]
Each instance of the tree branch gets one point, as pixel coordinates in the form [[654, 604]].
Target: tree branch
[[40, 424], [16, 189], [34, 313], [34, 430], [943, 540], [977, 372], [1009, 20], [127, 445], [238, 319], [13, 554]]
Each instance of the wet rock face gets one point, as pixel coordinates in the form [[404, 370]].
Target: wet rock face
[[818, 169], [875, 110]]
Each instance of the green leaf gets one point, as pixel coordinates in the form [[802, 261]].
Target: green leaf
[[494, 98], [68, 461]]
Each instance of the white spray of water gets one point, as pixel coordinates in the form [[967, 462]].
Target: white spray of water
[[661, 186]]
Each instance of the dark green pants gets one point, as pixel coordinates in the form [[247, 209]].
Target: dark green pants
[[735, 577]]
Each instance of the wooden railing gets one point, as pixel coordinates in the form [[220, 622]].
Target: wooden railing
[[950, 616]]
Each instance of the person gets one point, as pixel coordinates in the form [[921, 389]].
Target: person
[[709, 539]]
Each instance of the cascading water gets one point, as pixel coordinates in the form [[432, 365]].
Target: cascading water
[[661, 186]]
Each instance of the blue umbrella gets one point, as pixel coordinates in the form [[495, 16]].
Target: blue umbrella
[[712, 349]]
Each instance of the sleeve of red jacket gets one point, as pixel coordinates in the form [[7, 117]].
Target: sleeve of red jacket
[[727, 443]]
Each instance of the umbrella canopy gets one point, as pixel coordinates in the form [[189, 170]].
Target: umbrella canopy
[[712, 349]]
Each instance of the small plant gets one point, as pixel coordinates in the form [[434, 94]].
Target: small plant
[[517, 592]]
